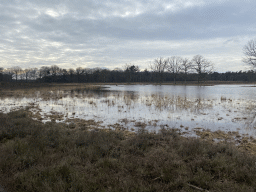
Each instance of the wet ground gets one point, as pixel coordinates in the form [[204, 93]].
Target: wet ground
[[190, 109]]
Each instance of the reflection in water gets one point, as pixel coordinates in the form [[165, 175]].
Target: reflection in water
[[183, 107]]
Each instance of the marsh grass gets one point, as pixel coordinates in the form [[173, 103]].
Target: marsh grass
[[53, 157], [46, 90]]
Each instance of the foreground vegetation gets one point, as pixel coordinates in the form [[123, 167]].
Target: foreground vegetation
[[53, 157]]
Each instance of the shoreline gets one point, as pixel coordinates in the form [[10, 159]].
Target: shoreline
[[206, 83]]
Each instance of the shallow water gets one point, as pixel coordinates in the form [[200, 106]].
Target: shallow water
[[219, 107]]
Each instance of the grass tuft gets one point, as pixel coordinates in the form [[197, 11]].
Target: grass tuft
[[52, 157]]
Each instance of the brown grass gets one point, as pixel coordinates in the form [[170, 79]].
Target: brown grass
[[46, 89], [54, 157]]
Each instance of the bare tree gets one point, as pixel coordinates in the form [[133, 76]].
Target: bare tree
[[71, 73], [22, 75], [186, 67], [16, 70], [55, 70], [202, 66], [174, 66], [79, 73], [43, 72], [159, 66], [250, 53], [26, 73], [33, 73], [65, 74], [79, 70]]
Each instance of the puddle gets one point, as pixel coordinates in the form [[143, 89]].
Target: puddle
[[229, 108]]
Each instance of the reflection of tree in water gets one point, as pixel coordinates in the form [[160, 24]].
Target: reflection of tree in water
[[200, 105], [130, 97], [177, 103], [85, 93]]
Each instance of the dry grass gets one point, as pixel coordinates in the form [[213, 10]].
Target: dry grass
[[54, 157], [243, 143], [47, 90]]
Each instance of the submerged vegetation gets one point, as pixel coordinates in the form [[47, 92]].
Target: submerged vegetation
[[55, 157]]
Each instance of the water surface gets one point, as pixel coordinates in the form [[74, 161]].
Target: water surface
[[189, 108]]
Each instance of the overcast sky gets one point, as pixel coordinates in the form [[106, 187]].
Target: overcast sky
[[111, 33]]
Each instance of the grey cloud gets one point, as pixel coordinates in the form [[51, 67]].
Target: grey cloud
[[196, 22], [102, 32]]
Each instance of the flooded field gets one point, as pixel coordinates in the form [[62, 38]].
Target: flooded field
[[227, 108]]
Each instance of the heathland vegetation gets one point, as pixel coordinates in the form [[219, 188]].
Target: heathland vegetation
[[55, 157]]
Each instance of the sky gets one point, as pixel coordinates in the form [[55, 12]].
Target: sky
[[112, 33]]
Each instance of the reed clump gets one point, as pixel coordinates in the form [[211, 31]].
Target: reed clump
[[53, 157]]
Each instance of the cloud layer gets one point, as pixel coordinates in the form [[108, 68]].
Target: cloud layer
[[111, 33]]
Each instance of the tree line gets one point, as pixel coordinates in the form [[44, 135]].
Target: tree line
[[160, 70]]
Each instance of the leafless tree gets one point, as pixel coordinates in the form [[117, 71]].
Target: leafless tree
[[202, 66], [65, 74], [71, 71], [79, 70], [43, 71], [22, 75], [159, 66], [55, 70], [79, 73], [186, 67], [16, 70], [250, 53], [33, 73], [174, 66], [26, 73]]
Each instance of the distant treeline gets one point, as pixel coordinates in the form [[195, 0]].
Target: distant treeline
[[129, 75], [145, 76], [160, 70]]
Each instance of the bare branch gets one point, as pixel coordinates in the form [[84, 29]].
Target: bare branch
[[250, 53], [186, 65], [159, 65], [201, 66], [174, 64]]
